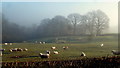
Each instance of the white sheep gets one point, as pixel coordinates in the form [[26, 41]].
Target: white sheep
[[83, 54], [102, 45], [40, 42], [43, 42], [116, 52], [65, 47], [13, 50], [53, 48], [10, 50], [6, 43], [55, 52], [25, 49], [19, 49], [44, 55], [10, 43]]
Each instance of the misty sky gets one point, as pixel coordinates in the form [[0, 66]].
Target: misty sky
[[28, 13]]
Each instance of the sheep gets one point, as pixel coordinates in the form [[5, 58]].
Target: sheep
[[115, 52], [55, 52], [102, 45], [25, 49], [43, 42], [19, 49], [83, 54], [48, 52], [44, 55], [53, 48], [13, 50], [66, 47], [10, 50], [10, 43], [6, 43], [40, 42]]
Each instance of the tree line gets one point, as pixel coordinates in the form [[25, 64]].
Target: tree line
[[93, 23]]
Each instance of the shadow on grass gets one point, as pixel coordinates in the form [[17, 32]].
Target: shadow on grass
[[32, 56], [24, 56]]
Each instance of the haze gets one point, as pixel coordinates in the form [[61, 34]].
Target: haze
[[29, 13]]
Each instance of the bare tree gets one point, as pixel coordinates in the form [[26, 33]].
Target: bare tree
[[57, 26], [74, 19], [83, 27], [90, 23], [101, 21], [62, 25], [43, 28], [96, 22]]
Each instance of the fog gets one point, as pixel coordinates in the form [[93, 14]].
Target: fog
[[29, 13], [32, 20]]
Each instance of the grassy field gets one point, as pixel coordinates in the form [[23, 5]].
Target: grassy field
[[92, 48]]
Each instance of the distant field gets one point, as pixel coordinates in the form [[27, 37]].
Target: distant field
[[92, 48]]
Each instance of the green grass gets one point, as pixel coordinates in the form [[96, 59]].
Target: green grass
[[92, 49]]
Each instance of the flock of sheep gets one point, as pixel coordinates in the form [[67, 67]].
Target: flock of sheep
[[13, 50], [17, 49], [40, 42], [8, 43], [47, 54]]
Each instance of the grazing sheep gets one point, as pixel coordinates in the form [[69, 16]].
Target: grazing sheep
[[40, 42], [0, 53], [13, 50], [116, 52], [53, 48], [43, 42], [25, 49], [10, 50], [19, 49], [102, 45], [48, 52], [55, 52], [10, 43], [44, 55], [66, 47], [6, 43], [83, 54]]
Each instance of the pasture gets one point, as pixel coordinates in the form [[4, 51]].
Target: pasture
[[91, 49]]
